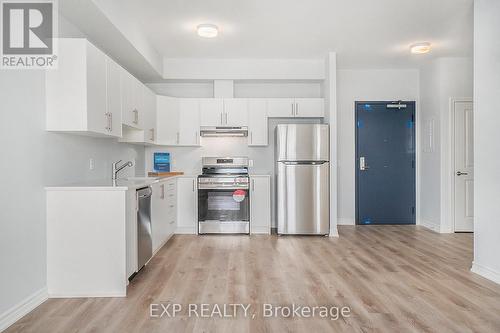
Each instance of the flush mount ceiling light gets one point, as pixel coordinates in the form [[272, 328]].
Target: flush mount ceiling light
[[207, 30], [420, 48]]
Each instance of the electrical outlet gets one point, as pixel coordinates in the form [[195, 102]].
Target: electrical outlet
[[91, 164]]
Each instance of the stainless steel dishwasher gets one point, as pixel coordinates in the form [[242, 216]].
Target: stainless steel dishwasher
[[144, 239]]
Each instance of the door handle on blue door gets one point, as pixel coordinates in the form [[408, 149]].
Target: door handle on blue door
[[362, 164]]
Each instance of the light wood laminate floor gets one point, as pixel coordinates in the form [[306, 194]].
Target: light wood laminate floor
[[393, 278]]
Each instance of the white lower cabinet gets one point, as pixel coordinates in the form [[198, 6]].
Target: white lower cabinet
[[260, 204], [187, 205], [163, 212]]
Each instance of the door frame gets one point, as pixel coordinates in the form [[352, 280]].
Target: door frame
[[451, 155], [416, 127]]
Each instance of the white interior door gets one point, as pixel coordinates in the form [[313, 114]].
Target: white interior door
[[464, 167]]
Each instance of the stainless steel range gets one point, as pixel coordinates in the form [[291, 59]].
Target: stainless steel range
[[223, 196]]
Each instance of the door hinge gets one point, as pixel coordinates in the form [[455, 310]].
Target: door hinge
[[413, 164]]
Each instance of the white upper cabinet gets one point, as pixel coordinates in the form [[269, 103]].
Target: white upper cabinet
[[296, 107], [149, 107], [211, 111], [132, 101], [177, 121], [235, 112], [257, 122], [280, 107], [76, 92], [309, 107], [189, 122], [167, 120], [114, 97], [223, 112]]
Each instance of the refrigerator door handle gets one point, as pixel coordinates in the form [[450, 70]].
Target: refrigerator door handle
[[304, 162]]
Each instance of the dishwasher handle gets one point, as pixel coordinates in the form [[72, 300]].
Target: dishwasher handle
[[144, 192]]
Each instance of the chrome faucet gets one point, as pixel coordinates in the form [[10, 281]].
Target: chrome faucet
[[117, 168]]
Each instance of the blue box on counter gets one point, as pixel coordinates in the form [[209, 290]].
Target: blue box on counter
[[161, 162]]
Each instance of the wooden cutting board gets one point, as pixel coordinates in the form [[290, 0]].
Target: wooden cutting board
[[165, 174]]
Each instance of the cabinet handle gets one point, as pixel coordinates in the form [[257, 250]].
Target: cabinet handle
[[136, 116], [293, 111], [177, 137], [196, 137], [107, 121], [162, 195], [193, 185], [152, 134], [253, 185], [221, 122], [296, 109], [110, 122], [251, 137], [226, 119]]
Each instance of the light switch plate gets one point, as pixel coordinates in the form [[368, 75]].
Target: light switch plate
[[91, 164]]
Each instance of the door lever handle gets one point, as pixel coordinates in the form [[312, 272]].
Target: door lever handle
[[460, 173], [362, 164]]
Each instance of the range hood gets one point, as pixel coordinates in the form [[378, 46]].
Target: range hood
[[224, 131]]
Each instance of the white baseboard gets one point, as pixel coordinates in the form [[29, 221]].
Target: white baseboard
[[186, 231], [84, 295], [334, 232], [486, 272], [260, 230], [430, 225], [345, 221], [21, 309]]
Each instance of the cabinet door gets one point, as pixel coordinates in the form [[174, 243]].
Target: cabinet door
[[159, 222], [189, 122], [167, 120], [260, 205], [187, 205], [139, 104], [280, 107], [149, 115], [97, 120], [171, 197], [257, 122], [235, 112], [211, 111], [128, 100], [114, 98], [309, 107]]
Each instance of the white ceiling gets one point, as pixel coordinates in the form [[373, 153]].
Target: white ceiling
[[364, 33]]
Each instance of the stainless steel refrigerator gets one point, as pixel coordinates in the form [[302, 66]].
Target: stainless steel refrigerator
[[303, 179]]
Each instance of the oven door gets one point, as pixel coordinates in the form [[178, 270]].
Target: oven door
[[223, 210]]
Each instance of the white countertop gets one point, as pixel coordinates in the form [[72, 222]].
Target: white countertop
[[131, 183]]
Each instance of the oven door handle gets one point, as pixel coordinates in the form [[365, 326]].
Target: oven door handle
[[222, 187]]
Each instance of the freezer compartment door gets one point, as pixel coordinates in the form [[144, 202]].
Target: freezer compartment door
[[302, 142], [303, 198]]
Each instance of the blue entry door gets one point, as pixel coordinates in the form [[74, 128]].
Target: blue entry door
[[385, 162]]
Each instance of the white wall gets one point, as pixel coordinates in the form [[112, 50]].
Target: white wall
[[440, 80], [487, 139], [363, 85]]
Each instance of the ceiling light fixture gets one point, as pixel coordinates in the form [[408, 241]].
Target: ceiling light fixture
[[420, 48], [207, 30]]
